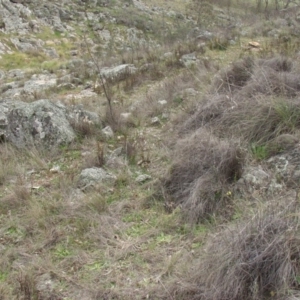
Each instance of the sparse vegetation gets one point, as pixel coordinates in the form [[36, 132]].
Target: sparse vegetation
[[253, 258], [201, 147]]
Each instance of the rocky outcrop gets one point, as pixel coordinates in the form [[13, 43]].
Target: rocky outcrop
[[118, 73], [91, 177], [30, 89], [280, 171], [40, 123]]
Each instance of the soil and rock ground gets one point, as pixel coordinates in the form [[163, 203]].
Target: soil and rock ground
[[149, 150]]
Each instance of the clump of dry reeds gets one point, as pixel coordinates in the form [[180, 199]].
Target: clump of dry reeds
[[209, 112], [266, 106], [233, 77], [203, 169], [253, 101], [256, 258]]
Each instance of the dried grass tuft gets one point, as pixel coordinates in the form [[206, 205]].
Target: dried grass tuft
[[265, 107], [256, 259], [203, 169], [233, 77], [268, 81], [278, 64], [262, 119], [210, 110]]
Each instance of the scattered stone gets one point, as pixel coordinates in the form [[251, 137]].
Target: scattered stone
[[55, 169], [167, 55], [108, 132], [92, 176], [125, 116], [254, 44], [16, 74], [155, 121], [253, 178], [162, 102], [142, 178], [205, 36], [51, 52], [188, 60], [165, 116], [45, 286], [118, 73], [78, 115], [39, 83]]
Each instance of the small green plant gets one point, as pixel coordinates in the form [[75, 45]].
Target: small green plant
[[259, 152], [98, 204], [61, 252], [219, 43], [97, 265], [3, 276], [289, 114], [178, 100], [164, 238]]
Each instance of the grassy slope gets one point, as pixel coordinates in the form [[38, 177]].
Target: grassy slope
[[115, 242]]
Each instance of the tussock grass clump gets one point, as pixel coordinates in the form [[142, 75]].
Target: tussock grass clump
[[267, 105], [254, 259], [84, 128], [266, 76], [262, 119], [279, 64], [234, 77], [209, 111], [267, 81], [203, 169]]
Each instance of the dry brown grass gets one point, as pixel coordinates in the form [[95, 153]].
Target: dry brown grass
[[172, 90], [233, 77], [259, 108], [255, 258], [202, 171], [254, 101]]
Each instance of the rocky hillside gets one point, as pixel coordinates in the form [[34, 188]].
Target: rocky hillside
[[149, 150]]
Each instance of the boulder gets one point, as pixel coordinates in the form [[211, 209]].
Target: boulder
[[188, 60], [108, 132], [142, 178], [286, 167], [118, 73], [40, 123], [92, 176], [77, 115]]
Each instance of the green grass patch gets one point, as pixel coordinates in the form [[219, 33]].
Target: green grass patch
[[259, 152], [18, 60], [62, 251], [3, 276], [51, 65]]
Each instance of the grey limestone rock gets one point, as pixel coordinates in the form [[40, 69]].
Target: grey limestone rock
[[92, 176], [118, 73], [108, 132], [142, 178], [40, 123], [188, 59]]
